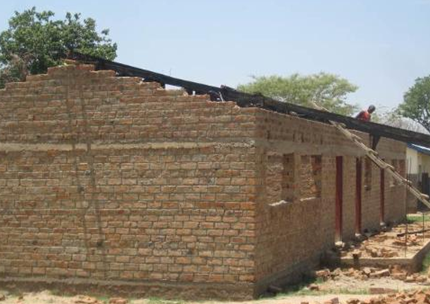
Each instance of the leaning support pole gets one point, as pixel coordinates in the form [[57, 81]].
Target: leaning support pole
[[374, 157]]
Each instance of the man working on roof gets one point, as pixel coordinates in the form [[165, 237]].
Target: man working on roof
[[366, 115]]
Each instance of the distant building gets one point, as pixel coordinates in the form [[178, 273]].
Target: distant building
[[417, 169]]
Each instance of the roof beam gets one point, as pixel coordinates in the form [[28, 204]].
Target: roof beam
[[252, 100]]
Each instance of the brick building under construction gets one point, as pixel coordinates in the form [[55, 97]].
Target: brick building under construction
[[112, 181]]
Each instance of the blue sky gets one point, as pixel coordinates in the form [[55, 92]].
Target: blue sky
[[380, 45]]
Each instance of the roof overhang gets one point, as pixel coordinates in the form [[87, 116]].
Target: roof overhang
[[420, 149]]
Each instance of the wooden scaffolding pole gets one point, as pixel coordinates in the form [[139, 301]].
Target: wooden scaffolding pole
[[374, 157]]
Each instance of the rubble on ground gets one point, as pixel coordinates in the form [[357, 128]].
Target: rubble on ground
[[413, 297], [393, 242], [365, 273]]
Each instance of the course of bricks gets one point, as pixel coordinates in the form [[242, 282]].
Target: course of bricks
[[113, 181]]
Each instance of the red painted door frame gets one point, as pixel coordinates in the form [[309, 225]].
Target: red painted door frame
[[339, 198], [382, 196], [358, 187]]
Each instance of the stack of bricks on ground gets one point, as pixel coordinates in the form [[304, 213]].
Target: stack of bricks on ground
[[390, 243], [395, 272], [111, 179]]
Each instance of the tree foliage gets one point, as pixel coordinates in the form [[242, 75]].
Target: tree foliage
[[416, 102], [326, 90], [34, 41]]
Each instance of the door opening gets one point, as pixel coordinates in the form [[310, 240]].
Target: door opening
[[382, 197], [339, 197], [358, 187]]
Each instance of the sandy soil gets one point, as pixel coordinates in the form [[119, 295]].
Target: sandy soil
[[343, 288], [45, 297]]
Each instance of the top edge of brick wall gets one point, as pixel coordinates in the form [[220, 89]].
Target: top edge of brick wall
[[88, 72], [262, 115], [85, 71]]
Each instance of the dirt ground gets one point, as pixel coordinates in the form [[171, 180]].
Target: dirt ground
[[345, 283], [343, 287], [46, 297]]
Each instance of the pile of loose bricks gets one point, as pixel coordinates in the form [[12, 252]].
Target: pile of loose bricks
[[396, 272], [118, 182], [412, 297], [394, 242]]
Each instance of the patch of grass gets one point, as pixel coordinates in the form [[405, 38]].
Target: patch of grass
[[300, 288], [104, 299], [61, 293], [307, 292], [362, 291], [302, 292], [12, 293], [417, 218]]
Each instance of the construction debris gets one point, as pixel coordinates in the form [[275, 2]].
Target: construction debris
[[387, 244], [414, 297], [395, 272]]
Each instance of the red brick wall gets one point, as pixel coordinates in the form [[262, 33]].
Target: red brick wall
[[293, 231], [111, 179], [114, 179]]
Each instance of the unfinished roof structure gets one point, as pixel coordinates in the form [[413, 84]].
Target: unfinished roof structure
[[114, 181], [248, 100]]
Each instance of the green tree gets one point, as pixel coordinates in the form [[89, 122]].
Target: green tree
[[416, 102], [324, 89], [34, 41]]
